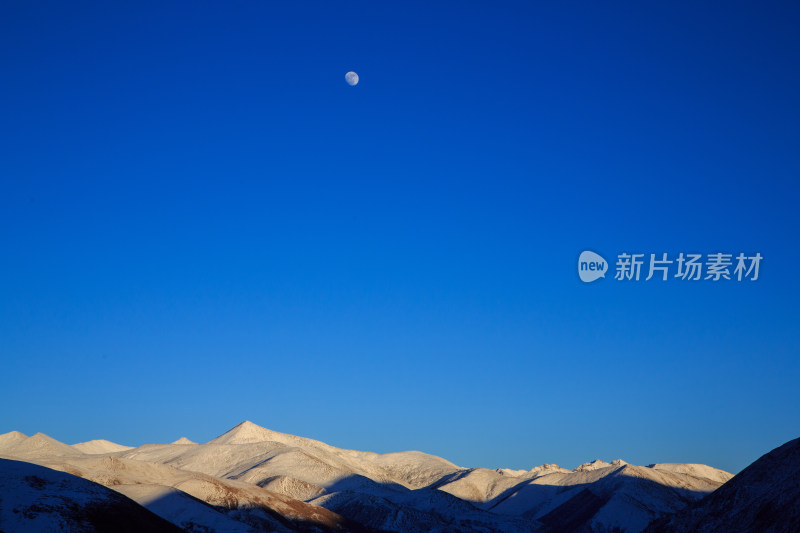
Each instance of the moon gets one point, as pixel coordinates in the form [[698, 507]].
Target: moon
[[351, 78]]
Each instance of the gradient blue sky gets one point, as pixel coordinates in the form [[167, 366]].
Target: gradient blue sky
[[201, 223]]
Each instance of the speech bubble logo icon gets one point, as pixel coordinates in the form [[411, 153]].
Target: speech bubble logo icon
[[591, 266]]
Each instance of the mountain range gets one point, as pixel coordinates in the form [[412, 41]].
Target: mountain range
[[254, 479]]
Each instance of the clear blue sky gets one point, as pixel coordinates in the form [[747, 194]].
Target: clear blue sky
[[201, 223]]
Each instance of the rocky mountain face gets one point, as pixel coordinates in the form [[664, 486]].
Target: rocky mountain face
[[253, 479]]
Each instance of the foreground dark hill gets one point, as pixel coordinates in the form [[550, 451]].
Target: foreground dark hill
[[763, 498], [35, 498]]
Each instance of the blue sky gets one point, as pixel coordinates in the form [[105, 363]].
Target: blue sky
[[201, 223]]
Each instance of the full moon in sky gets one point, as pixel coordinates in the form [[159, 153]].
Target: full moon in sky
[[351, 78]]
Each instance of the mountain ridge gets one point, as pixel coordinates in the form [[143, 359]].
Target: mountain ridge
[[266, 474]]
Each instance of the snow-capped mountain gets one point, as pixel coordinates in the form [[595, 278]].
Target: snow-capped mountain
[[254, 479]]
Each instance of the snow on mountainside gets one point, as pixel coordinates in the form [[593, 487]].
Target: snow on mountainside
[[181, 509], [694, 470], [765, 496], [34, 498], [253, 477], [616, 495], [306, 469], [411, 469], [510, 472], [189, 498]]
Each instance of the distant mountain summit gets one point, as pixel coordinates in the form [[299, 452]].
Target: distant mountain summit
[[100, 446], [764, 497], [38, 445], [597, 463], [11, 438], [248, 433]]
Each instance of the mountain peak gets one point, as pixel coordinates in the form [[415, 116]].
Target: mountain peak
[[11, 438], [100, 446], [594, 465], [39, 445], [546, 468], [245, 433], [183, 440]]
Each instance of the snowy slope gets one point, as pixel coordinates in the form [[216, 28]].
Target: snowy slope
[[415, 490], [313, 471], [194, 494], [181, 509], [610, 495]]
